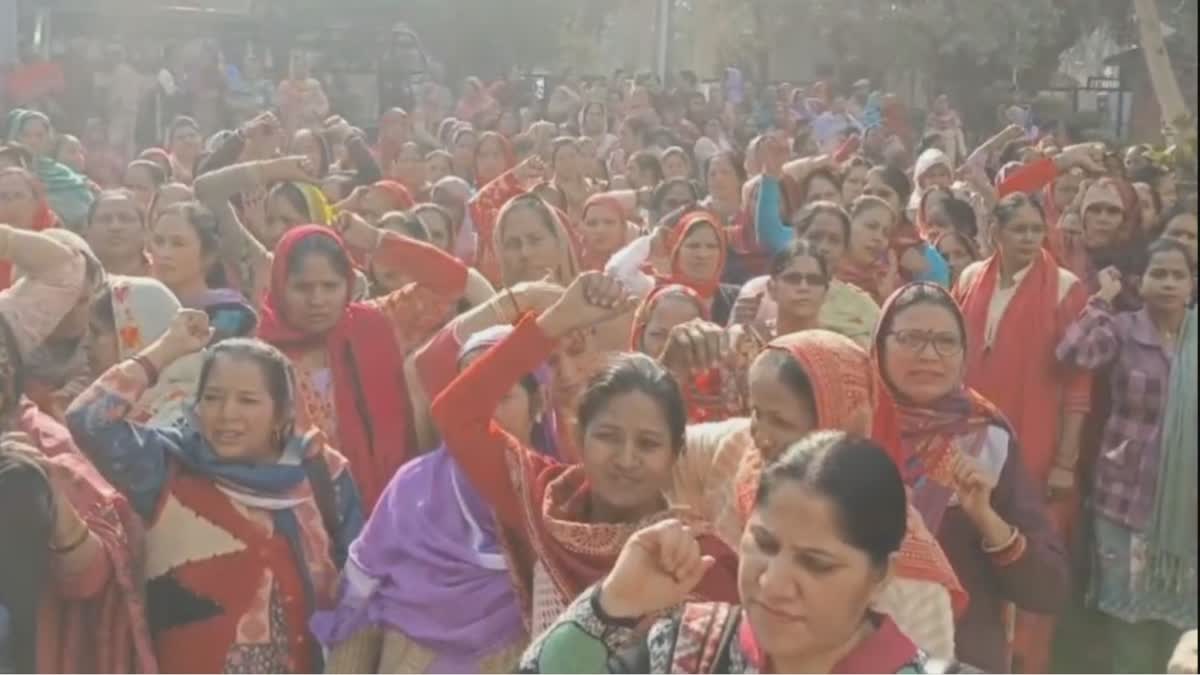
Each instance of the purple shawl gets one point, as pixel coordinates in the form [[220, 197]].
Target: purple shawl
[[428, 564]]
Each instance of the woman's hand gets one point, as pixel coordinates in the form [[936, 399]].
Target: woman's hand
[[593, 297], [696, 346], [188, 333], [656, 570], [1086, 156], [535, 296], [775, 154], [974, 491], [263, 136], [357, 232], [530, 171], [1110, 284], [296, 168]]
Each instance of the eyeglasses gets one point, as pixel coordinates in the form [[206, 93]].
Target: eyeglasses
[[915, 341]]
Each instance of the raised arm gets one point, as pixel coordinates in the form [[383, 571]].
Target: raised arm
[[1093, 341], [463, 416], [52, 282], [626, 264], [366, 168], [1037, 175]]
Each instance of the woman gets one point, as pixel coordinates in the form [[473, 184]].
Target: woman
[[1151, 208], [854, 178], [287, 202], [644, 170], [408, 169], [960, 252], [593, 123], [723, 177], [184, 142], [431, 525], [462, 148], [439, 223], [1018, 305], [438, 165], [349, 375], [916, 259], [820, 185], [69, 193], [269, 510], [695, 248], [565, 524], [381, 198], [1180, 225], [676, 163], [966, 471], [493, 155], [300, 97], [143, 178], [116, 233], [25, 207], [846, 309], [184, 251], [603, 229], [129, 315], [869, 264], [849, 496], [1144, 560], [566, 164], [1095, 238], [665, 320]]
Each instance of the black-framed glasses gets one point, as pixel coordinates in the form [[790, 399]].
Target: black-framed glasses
[[915, 341]]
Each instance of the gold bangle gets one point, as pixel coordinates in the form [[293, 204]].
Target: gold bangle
[[1012, 539], [84, 532]]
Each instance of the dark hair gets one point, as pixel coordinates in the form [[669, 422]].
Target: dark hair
[[636, 372], [896, 179], [1168, 246], [663, 137], [180, 122], [523, 146], [797, 248], [739, 168], [792, 375], [665, 187], [108, 195], [936, 189], [406, 223], [640, 129], [204, 224], [855, 162], [803, 219], [294, 196], [827, 174], [858, 477], [646, 160], [967, 242], [560, 143], [917, 293], [1005, 209], [17, 153], [326, 246], [864, 203], [437, 209], [326, 155], [1185, 207], [676, 150], [276, 369], [1011, 152], [534, 201], [158, 175], [962, 217], [27, 517], [102, 309]]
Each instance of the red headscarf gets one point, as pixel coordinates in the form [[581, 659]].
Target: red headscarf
[[596, 260], [43, 216], [705, 288], [845, 392], [369, 393], [399, 195], [506, 149]]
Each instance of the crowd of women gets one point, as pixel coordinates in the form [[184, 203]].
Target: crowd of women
[[622, 387]]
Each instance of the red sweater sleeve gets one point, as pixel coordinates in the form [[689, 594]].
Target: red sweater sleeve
[[430, 266], [463, 415], [1029, 178], [847, 148]]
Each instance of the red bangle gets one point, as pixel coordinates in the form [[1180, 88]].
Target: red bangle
[[151, 370]]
